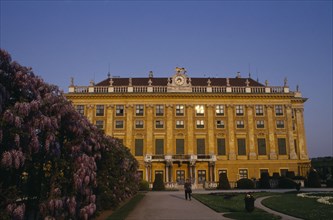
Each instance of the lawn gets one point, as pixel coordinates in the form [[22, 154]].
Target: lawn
[[233, 205], [288, 203], [305, 208]]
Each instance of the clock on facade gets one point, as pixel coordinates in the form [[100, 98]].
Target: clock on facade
[[179, 80]]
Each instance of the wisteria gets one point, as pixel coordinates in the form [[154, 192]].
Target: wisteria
[[54, 163]]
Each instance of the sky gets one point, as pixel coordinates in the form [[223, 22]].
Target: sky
[[271, 40]]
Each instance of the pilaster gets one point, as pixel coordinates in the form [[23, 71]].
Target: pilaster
[[210, 126], [109, 119], [231, 131], [301, 134], [169, 128], [150, 129], [252, 154], [129, 127], [90, 112], [271, 130], [292, 152], [190, 129]]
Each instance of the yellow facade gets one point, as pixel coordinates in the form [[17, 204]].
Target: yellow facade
[[198, 127]]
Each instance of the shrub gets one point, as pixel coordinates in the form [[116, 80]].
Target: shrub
[[158, 184], [290, 174], [223, 181], [144, 185], [329, 182], [264, 181], [276, 176], [287, 183], [245, 184], [313, 179]]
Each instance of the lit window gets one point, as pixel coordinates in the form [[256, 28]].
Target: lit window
[[139, 124], [243, 174], [219, 110], [259, 110], [239, 110], [179, 110], [278, 110], [240, 124], [219, 124], [119, 110], [99, 110], [80, 109], [159, 124], [179, 124], [199, 110], [159, 110], [139, 109], [200, 124]]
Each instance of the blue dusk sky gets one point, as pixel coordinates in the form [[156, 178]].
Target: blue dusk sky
[[270, 39]]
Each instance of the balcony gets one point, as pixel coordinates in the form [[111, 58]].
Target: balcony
[[179, 158]]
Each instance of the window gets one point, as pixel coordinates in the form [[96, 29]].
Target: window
[[223, 171], [159, 146], [179, 110], [283, 172], [263, 171], [179, 146], [119, 124], [100, 124], [240, 124], [180, 176], [139, 109], [139, 124], [200, 124], [159, 124], [241, 146], [295, 145], [221, 146], [243, 173], [219, 124], [119, 110], [99, 110], [239, 110], [261, 146], [199, 110], [179, 124], [201, 176], [294, 126], [280, 124], [80, 109], [138, 147], [219, 110], [201, 146], [259, 110], [282, 146], [159, 110], [260, 124], [278, 110]]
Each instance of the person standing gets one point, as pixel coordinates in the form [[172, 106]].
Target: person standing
[[188, 189]]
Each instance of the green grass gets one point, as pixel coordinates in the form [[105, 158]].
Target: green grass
[[233, 204], [304, 208], [123, 211]]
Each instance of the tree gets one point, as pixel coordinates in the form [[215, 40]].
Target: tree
[[223, 181], [49, 152]]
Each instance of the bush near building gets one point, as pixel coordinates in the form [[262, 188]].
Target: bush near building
[[245, 184], [313, 180], [223, 181], [158, 184]]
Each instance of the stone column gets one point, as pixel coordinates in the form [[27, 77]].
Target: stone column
[[109, 119], [169, 128], [250, 124], [231, 131], [148, 171], [210, 127], [271, 131], [149, 129], [129, 128], [190, 130], [289, 122], [301, 134]]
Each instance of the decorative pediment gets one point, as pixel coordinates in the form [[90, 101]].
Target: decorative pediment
[[179, 82]]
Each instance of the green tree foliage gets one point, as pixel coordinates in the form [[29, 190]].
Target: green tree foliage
[[158, 184], [264, 181], [313, 179], [51, 156], [245, 184]]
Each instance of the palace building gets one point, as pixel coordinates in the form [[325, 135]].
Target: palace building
[[183, 127]]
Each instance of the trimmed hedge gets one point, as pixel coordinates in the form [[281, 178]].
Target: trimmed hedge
[[158, 184], [245, 184], [223, 181]]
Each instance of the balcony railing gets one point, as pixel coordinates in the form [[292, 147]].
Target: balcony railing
[[164, 89]]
